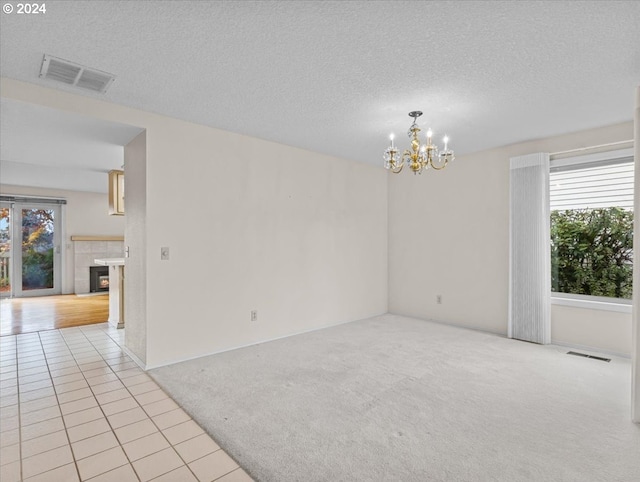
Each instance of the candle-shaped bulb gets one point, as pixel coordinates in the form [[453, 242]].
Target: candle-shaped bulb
[[429, 135], [391, 137], [445, 139]]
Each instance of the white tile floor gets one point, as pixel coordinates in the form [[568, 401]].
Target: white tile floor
[[74, 406]]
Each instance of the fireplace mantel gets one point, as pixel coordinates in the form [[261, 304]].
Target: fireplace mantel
[[109, 261]]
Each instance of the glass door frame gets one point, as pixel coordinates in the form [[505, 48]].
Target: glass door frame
[[16, 256], [9, 205]]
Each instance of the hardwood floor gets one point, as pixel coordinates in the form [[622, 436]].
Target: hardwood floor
[[26, 315]]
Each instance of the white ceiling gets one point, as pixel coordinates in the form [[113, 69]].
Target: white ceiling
[[338, 76], [45, 147]]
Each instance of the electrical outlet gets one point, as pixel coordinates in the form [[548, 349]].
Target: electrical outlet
[[254, 315], [439, 299], [164, 254]]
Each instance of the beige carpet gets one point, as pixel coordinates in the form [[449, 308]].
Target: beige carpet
[[397, 399]]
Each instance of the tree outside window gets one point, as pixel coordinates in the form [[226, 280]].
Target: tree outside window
[[592, 252], [592, 229]]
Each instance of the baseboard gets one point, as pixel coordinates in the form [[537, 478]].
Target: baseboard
[[591, 349], [448, 323], [160, 365], [503, 335]]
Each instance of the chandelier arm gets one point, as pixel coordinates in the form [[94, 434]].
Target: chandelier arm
[[446, 161], [439, 168], [396, 165]]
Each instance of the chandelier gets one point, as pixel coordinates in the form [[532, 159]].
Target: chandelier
[[420, 157]]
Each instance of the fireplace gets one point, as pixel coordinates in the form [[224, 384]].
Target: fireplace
[[98, 279]]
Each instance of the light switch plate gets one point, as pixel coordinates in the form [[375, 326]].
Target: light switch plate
[[164, 254]]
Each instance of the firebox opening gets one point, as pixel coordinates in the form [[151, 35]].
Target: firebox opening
[[99, 279]]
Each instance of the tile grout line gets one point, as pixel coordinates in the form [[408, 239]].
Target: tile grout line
[[113, 430], [103, 414], [138, 406], [19, 392], [60, 405], [64, 424], [164, 436], [160, 430], [18, 405], [152, 421], [77, 342]]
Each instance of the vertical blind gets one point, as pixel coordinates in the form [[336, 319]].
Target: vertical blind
[[529, 254], [31, 200]]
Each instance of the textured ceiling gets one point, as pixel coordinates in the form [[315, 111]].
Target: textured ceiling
[[338, 76]]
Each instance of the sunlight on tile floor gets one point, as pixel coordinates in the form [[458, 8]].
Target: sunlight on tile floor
[[74, 406]]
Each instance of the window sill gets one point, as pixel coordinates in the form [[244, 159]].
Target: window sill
[[620, 307]]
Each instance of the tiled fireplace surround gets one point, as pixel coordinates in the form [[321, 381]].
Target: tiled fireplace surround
[[85, 252]]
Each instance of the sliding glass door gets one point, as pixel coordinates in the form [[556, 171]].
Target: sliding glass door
[[29, 249], [5, 249]]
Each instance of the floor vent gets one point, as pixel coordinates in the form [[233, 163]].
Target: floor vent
[[76, 75], [589, 356]]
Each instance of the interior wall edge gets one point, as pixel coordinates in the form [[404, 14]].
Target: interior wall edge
[[635, 351], [455, 324]]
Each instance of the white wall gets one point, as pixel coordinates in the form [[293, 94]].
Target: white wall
[[449, 235], [608, 331], [299, 236], [86, 213]]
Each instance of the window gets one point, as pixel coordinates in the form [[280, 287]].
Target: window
[[591, 203]]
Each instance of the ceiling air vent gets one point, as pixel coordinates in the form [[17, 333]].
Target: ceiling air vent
[[76, 75]]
